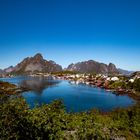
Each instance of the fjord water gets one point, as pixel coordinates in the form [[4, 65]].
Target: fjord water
[[76, 97]]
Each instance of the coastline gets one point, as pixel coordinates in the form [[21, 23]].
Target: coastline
[[87, 81], [94, 83]]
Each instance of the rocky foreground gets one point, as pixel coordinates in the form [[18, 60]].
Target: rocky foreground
[[7, 88]]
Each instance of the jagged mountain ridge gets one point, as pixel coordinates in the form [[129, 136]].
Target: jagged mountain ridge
[[36, 64], [92, 66]]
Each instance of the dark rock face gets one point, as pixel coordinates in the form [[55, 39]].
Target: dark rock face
[[37, 64], [92, 66], [38, 56], [112, 68]]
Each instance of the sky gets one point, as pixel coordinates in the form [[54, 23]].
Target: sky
[[69, 31]]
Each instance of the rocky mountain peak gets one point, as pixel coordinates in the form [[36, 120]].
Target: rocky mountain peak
[[36, 64], [38, 56], [111, 65], [52, 62], [112, 68]]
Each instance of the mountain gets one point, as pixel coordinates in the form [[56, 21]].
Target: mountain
[[125, 72], [9, 69], [1, 71], [92, 66], [36, 64]]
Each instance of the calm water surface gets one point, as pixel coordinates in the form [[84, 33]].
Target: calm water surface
[[76, 97]]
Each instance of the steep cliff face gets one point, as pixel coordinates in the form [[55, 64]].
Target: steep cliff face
[[37, 64], [112, 68], [92, 66]]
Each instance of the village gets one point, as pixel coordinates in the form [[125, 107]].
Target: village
[[118, 83]]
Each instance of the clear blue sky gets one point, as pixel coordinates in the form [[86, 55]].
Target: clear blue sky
[[69, 31]]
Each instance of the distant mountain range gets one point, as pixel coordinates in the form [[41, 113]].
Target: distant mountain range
[[125, 72], [38, 64]]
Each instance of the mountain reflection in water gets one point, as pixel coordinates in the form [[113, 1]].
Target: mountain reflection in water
[[77, 97], [38, 84]]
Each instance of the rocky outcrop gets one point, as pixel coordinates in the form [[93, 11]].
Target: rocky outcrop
[[36, 64], [92, 66]]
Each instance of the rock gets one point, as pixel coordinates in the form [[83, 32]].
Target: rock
[[92, 66], [112, 68], [36, 64]]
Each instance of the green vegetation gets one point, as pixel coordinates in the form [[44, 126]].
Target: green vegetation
[[6, 89], [133, 87], [117, 84], [136, 85], [52, 122]]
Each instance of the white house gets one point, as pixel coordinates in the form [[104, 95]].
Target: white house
[[72, 76], [114, 79], [78, 75], [108, 78], [131, 80]]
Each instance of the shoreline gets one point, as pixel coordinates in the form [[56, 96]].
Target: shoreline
[[114, 91], [16, 90], [88, 82]]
